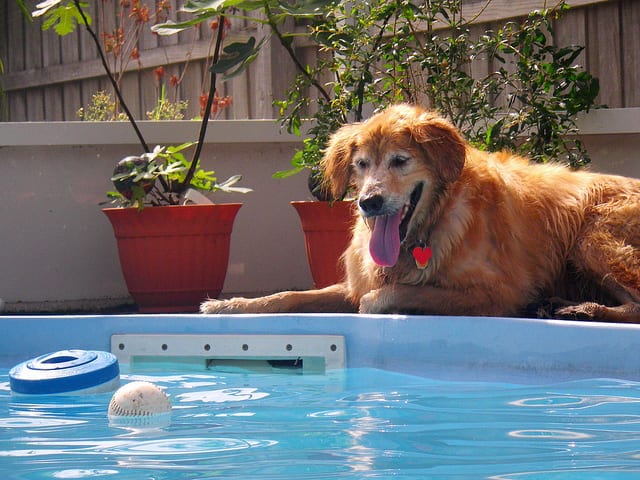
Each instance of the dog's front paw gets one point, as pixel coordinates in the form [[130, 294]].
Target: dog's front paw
[[372, 302], [221, 306]]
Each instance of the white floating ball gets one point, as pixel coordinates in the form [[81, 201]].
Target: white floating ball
[[139, 403]]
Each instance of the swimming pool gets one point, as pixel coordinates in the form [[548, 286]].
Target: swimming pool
[[421, 397]]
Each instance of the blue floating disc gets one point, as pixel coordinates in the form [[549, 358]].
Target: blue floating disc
[[66, 371]]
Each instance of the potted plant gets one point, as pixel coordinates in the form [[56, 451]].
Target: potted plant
[[374, 54], [327, 222], [327, 227], [173, 250]]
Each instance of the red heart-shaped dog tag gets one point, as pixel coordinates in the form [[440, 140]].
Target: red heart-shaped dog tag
[[422, 255]]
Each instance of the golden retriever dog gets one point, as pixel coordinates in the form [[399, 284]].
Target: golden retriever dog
[[446, 229]]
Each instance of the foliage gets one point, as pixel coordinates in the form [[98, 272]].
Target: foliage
[[164, 175], [275, 13], [165, 109], [136, 177], [378, 53], [101, 108]]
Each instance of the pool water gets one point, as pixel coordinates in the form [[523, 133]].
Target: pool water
[[356, 424]]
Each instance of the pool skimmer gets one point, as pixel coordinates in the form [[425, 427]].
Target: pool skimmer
[[300, 353]]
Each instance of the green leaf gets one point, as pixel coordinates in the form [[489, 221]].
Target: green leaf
[[63, 18], [493, 132], [298, 164], [175, 149], [287, 173], [238, 55]]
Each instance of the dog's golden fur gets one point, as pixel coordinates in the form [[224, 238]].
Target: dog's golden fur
[[504, 233]]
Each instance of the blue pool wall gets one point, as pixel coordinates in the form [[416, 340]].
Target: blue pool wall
[[463, 348]]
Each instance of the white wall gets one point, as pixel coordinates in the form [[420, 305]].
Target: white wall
[[57, 250]]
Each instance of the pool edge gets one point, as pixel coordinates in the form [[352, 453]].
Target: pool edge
[[469, 347]]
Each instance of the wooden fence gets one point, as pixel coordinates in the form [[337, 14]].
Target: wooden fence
[[49, 77]]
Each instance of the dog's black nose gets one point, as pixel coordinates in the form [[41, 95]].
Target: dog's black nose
[[372, 205]]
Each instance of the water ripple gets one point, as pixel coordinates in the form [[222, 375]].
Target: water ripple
[[155, 448], [37, 422], [545, 434], [84, 473], [223, 395], [572, 401]]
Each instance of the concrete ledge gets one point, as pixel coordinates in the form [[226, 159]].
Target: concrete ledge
[[610, 121], [597, 122]]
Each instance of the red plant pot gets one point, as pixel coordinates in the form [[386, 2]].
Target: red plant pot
[[173, 257], [327, 230]]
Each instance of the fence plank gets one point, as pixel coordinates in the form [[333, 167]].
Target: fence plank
[[16, 62], [51, 55], [238, 87], [88, 52], [260, 75], [571, 29], [130, 88], [283, 71], [4, 26], [4, 54], [631, 53], [191, 87], [71, 101], [603, 24]]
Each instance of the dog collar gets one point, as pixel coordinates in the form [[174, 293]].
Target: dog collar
[[421, 254]]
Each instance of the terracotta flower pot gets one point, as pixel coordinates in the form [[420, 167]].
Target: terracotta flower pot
[[173, 257], [327, 229]]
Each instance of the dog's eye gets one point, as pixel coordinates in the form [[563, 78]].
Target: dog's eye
[[399, 161], [361, 164]]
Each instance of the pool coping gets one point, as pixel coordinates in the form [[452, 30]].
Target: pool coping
[[465, 348]]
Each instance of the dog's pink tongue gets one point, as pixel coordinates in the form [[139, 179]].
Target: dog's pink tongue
[[384, 245]]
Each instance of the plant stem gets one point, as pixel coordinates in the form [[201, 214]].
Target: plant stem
[[207, 110], [113, 81]]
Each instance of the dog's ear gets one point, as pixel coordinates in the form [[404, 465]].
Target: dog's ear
[[442, 143], [336, 161]]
